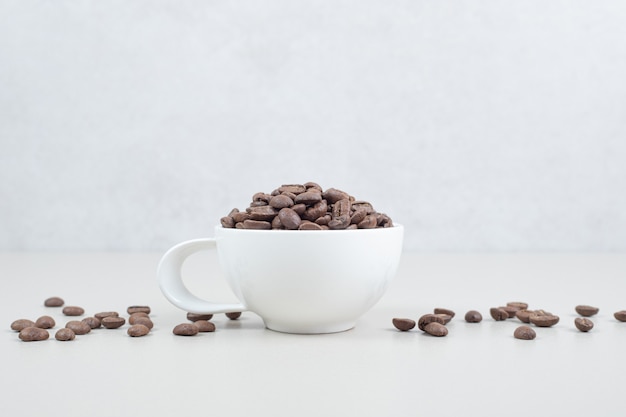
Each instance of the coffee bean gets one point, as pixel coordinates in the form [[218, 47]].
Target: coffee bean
[[33, 334], [358, 216], [65, 335], [138, 309], [113, 322], [104, 314], [498, 314], [445, 317], [73, 311], [333, 195], [519, 304], [92, 322], [473, 316], [19, 325], [436, 329], [299, 208], [403, 325], [524, 333], [281, 201], [289, 219], [312, 185], [620, 315], [583, 324], [428, 318], [586, 311], [447, 311], [524, 315], [205, 326], [53, 302], [544, 320], [292, 188], [135, 316], [186, 329], [138, 330], [308, 198], [257, 225], [309, 226], [45, 322], [510, 310], [369, 222], [339, 223], [144, 321], [233, 315], [240, 217], [196, 317], [313, 213], [78, 327], [227, 222]]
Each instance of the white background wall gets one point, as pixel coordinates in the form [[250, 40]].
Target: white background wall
[[482, 126]]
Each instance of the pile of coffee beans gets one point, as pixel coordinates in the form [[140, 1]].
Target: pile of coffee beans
[[306, 207]]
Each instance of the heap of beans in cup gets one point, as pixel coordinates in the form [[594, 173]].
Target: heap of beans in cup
[[306, 207], [435, 323]]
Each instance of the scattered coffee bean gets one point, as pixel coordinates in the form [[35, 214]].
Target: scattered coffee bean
[[54, 302], [436, 329], [233, 315], [544, 320], [519, 304], [73, 311], [449, 312], [445, 317], [138, 309], [403, 325], [65, 335], [620, 315], [524, 315], [196, 317], [92, 322], [186, 329], [133, 317], [498, 314], [510, 310], [583, 324], [204, 326], [473, 316], [45, 322], [104, 314], [78, 327], [33, 334], [145, 321], [524, 333], [427, 319], [587, 311], [113, 322], [138, 330], [19, 325]]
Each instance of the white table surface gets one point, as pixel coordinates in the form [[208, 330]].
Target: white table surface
[[373, 370]]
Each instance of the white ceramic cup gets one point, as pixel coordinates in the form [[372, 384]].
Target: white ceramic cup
[[305, 281]]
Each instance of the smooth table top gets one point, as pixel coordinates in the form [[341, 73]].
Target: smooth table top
[[244, 369]]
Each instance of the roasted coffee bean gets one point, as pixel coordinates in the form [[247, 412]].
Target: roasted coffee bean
[[341, 208], [73, 311], [299, 208], [45, 322], [369, 222], [257, 225], [312, 185], [583, 324], [544, 320], [498, 314], [363, 205], [586, 311], [519, 304], [138, 309], [510, 310], [473, 316], [324, 220], [524, 333], [339, 223], [196, 317], [309, 226], [261, 197], [205, 326], [104, 314], [54, 302], [262, 213], [138, 330], [227, 222], [620, 315], [447, 311], [292, 188], [240, 217], [333, 195], [186, 329], [234, 315], [113, 322], [78, 327], [33, 334], [403, 325], [445, 317], [65, 335], [429, 318], [276, 223], [524, 315], [308, 198], [318, 210], [92, 322], [144, 321], [281, 201], [289, 219], [358, 216], [20, 324], [436, 329], [135, 316]]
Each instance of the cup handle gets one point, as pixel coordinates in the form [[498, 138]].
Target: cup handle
[[171, 281]]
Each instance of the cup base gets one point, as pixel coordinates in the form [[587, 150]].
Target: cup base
[[309, 328]]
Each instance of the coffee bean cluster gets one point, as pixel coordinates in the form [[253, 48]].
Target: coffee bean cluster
[[306, 207], [200, 324]]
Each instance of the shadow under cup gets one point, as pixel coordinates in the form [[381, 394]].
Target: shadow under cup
[[297, 281]]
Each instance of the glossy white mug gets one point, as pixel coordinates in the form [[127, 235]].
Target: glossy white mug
[[305, 281]]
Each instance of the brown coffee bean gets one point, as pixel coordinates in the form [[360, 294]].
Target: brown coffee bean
[[583, 324], [73, 311], [138, 309], [309, 226], [281, 201], [289, 219], [113, 322], [447, 311], [65, 335], [519, 304], [135, 316], [473, 316], [510, 310], [227, 222], [339, 223], [262, 213], [313, 213], [369, 222], [137, 330], [186, 329], [104, 314], [358, 216], [308, 198], [144, 321], [233, 315], [498, 314], [445, 317], [524, 333], [261, 197], [240, 217], [19, 325], [524, 315], [33, 334], [78, 327], [436, 329], [324, 220], [403, 325], [429, 318], [363, 205], [196, 317], [92, 322], [620, 315], [341, 208], [544, 320], [312, 185], [333, 195], [586, 311], [299, 208], [292, 188], [45, 322], [257, 225], [53, 302], [205, 326]]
